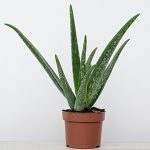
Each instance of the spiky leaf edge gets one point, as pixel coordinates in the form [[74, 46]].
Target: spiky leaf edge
[[81, 98], [39, 57], [83, 60], [89, 60], [74, 52], [106, 55], [102, 81], [65, 85]]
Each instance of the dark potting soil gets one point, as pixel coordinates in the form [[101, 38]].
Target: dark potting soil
[[93, 109]]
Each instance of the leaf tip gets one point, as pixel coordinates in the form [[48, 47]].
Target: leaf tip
[[56, 56], [6, 24], [94, 50], [70, 7], [127, 40], [136, 16], [85, 39], [9, 25]]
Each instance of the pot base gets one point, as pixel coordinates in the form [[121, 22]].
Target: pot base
[[89, 147]]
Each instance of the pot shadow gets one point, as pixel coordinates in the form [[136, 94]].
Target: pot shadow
[[67, 148]]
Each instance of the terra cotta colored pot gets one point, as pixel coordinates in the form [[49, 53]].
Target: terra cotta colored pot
[[83, 130]]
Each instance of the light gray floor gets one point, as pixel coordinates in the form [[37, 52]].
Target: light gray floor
[[55, 146]]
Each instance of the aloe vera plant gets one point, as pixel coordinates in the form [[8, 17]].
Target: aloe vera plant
[[89, 80]]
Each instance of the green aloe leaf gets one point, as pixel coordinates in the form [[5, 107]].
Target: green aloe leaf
[[83, 60], [40, 58], [81, 99], [74, 51], [65, 85], [102, 81], [106, 55], [88, 63]]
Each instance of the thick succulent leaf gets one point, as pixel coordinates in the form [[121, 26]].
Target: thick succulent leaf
[[83, 60], [106, 55], [65, 85], [81, 99], [89, 60], [74, 52], [102, 81], [40, 58]]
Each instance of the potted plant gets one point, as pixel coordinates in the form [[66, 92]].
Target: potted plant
[[83, 122]]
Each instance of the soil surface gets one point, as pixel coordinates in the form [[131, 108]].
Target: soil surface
[[93, 109]]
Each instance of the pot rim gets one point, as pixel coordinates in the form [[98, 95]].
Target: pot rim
[[83, 116]]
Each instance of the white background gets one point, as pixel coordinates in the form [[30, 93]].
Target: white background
[[30, 104]]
